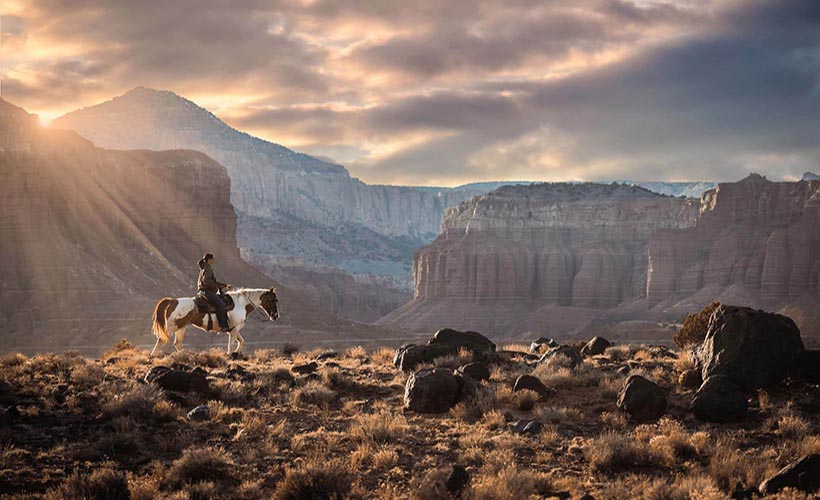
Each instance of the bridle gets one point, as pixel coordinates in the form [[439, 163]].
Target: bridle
[[265, 311]]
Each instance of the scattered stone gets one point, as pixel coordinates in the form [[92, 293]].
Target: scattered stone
[[472, 341], [719, 400], [595, 346], [305, 369], [327, 355], [569, 352], [540, 344], [643, 400], [587, 496], [755, 349], [178, 380], [526, 426], [411, 355], [457, 480], [200, 414], [476, 371], [532, 383], [803, 474], [432, 390], [690, 379], [810, 366]]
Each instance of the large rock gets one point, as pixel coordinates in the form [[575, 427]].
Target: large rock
[[755, 349], [643, 400], [472, 341], [810, 366], [409, 356], [531, 383], [539, 345], [569, 355], [433, 390], [178, 380], [803, 474], [476, 371], [595, 346], [719, 400]]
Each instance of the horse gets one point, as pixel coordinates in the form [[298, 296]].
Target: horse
[[174, 316]]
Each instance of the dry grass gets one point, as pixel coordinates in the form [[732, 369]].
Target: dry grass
[[694, 327], [87, 427]]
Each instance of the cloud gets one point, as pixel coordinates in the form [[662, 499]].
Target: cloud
[[450, 91]]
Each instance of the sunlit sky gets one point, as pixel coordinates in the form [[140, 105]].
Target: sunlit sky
[[444, 92]]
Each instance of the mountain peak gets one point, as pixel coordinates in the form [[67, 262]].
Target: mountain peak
[[753, 177], [811, 176]]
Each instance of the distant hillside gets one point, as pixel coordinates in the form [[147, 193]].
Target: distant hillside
[[92, 238]]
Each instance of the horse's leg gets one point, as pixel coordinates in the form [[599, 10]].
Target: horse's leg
[[230, 341], [156, 348], [179, 336], [239, 339]]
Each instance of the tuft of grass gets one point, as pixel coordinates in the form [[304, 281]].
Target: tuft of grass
[[379, 428], [202, 464], [102, 484], [694, 327], [316, 479]]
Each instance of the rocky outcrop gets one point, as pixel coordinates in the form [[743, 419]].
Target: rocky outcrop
[[568, 244], [583, 259], [719, 400], [753, 348], [755, 234], [642, 399], [92, 238], [433, 390]]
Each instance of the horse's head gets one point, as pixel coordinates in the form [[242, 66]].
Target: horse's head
[[268, 302]]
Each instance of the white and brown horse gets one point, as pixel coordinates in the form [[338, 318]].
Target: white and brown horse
[[174, 316]]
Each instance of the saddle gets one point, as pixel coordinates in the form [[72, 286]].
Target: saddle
[[204, 306]]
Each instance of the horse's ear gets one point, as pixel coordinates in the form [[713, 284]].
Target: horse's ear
[[273, 289]]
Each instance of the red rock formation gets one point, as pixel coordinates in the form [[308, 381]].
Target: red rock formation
[[755, 234]]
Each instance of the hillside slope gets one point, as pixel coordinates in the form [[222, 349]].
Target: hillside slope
[[91, 238]]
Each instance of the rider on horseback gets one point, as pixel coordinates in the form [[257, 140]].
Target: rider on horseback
[[212, 289]]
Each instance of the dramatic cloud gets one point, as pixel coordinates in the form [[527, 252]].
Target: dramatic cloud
[[452, 91]]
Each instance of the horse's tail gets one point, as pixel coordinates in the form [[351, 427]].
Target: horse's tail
[[159, 328]]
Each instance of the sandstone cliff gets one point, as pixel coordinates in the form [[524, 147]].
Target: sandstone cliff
[[91, 238], [562, 259], [759, 236]]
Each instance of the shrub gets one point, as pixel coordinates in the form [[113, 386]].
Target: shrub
[[378, 428], [694, 327], [331, 480], [142, 403], [201, 464], [102, 484]]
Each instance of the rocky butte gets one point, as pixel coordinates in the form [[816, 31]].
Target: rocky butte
[[569, 258], [506, 255]]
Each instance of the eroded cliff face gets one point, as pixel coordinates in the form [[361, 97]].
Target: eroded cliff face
[[575, 245], [90, 238], [617, 261], [756, 235]]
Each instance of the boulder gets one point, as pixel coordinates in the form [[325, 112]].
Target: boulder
[[542, 343], [200, 413], [755, 349], [475, 371], [327, 355], [643, 400], [178, 380], [719, 400], [529, 382], [595, 346], [690, 379], [457, 480], [572, 355], [409, 356], [528, 427], [810, 366], [803, 474], [305, 368], [433, 390], [472, 341]]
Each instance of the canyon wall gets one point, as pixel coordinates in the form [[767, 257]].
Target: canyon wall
[[562, 259], [90, 238], [758, 236]]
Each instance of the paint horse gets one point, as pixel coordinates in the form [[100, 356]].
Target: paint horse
[[174, 316]]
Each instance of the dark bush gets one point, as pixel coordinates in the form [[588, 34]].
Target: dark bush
[[694, 327]]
